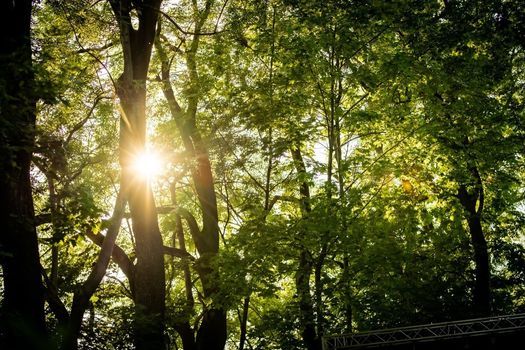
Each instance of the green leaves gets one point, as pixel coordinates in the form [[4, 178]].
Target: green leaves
[[391, 106]]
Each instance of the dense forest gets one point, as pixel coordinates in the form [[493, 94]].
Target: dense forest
[[249, 174]]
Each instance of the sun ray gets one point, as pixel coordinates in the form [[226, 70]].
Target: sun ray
[[148, 164]]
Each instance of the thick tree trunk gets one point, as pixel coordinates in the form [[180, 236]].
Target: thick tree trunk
[[212, 333], [23, 300], [149, 278], [482, 267], [187, 335]]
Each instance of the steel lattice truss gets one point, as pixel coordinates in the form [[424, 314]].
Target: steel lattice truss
[[427, 332]]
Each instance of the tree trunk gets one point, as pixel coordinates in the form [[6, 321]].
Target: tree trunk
[[347, 295], [243, 319], [306, 309], [319, 288], [182, 325], [212, 333], [187, 335], [473, 203], [305, 268], [23, 302], [482, 267], [149, 279]]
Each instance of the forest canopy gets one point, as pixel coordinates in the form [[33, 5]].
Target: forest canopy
[[245, 174]]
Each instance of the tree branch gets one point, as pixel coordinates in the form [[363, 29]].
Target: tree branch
[[185, 32], [90, 285], [55, 304], [81, 123], [167, 209], [118, 255], [107, 245], [91, 49], [179, 253]]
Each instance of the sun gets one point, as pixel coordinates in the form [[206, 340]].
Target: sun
[[147, 164]]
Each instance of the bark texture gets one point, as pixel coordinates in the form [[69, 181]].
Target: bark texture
[[23, 302], [149, 278]]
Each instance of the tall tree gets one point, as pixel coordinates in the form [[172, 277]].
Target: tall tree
[[211, 333], [23, 304], [149, 279], [467, 64], [326, 168]]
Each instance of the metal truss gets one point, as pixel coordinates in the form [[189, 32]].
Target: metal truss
[[425, 333]]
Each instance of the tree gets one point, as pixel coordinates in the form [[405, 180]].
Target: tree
[[23, 303], [283, 170], [149, 279], [211, 333], [463, 100]]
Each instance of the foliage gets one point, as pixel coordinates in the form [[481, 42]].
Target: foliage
[[394, 107]]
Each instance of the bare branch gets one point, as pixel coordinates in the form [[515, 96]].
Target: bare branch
[[55, 304], [166, 209], [81, 123], [118, 255], [99, 48], [190, 220], [220, 15], [185, 32], [179, 253]]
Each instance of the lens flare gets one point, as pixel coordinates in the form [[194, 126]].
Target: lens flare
[[148, 164]]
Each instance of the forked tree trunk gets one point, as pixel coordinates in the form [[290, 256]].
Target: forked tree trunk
[[149, 279], [23, 302], [211, 334]]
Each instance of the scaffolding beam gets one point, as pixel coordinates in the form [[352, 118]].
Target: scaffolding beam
[[426, 333]]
